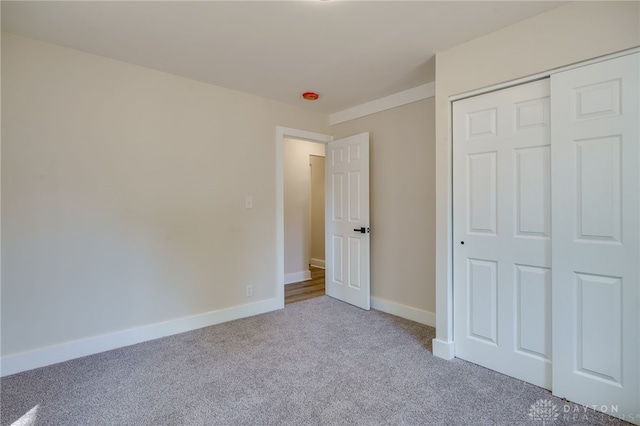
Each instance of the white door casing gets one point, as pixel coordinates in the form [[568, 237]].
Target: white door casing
[[502, 231], [347, 210], [596, 272], [282, 133]]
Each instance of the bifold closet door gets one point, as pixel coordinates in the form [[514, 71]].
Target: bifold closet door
[[502, 231], [596, 255]]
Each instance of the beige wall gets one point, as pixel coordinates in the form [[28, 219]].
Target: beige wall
[[123, 194], [562, 36], [402, 196], [317, 208], [297, 204]]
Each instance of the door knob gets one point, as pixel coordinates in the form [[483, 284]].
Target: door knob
[[362, 230]]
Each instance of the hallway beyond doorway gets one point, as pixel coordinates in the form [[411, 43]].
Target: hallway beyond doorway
[[296, 292]]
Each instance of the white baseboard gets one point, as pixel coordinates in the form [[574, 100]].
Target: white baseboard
[[442, 349], [318, 263], [296, 277], [404, 311], [24, 361]]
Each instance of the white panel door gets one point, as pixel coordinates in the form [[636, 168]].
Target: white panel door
[[502, 231], [596, 158], [347, 220]]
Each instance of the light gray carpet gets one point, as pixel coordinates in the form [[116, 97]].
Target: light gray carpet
[[318, 362]]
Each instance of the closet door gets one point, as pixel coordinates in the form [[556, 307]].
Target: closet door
[[502, 231], [596, 256]]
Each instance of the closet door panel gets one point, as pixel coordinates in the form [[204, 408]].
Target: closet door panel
[[502, 231], [596, 255]]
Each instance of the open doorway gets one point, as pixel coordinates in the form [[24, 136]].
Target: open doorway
[[304, 233], [347, 238]]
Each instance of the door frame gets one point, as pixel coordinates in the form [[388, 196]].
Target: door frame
[[282, 133], [444, 343]]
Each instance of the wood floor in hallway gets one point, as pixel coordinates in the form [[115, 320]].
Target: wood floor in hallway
[[296, 292]]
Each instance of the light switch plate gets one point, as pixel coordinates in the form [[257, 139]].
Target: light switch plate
[[248, 202]]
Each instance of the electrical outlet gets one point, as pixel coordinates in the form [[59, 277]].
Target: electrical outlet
[[249, 291]]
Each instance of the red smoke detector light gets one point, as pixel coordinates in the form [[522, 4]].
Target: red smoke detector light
[[310, 96]]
